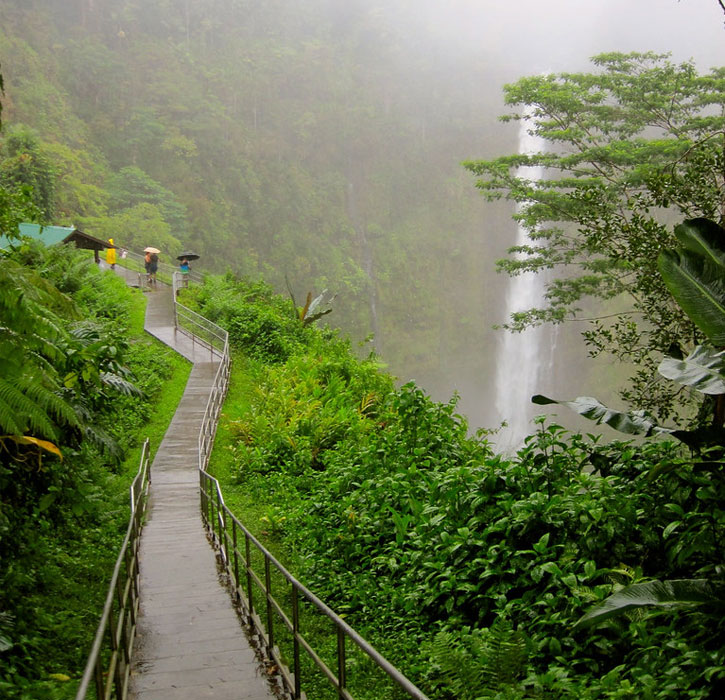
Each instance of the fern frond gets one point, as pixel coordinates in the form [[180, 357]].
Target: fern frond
[[25, 408], [459, 667], [121, 385], [13, 404], [508, 655], [102, 441], [480, 663], [46, 398]]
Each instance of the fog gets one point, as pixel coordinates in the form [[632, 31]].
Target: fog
[[323, 141], [502, 42], [530, 36]]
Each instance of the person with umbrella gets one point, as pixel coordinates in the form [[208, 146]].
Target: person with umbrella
[[184, 266], [151, 263]]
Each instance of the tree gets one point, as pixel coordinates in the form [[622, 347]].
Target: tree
[[131, 186], [627, 149], [25, 166]]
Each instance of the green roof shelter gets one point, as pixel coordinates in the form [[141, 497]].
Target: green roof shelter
[[52, 235]]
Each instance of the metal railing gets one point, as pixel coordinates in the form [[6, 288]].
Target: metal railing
[[227, 531], [216, 339], [196, 327], [217, 517], [135, 262], [108, 667]]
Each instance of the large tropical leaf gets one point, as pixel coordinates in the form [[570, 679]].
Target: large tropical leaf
[[670, 594], [698, 286], [703, 237], [703, 370], [634, 423]]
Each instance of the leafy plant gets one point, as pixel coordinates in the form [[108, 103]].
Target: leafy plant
[[666, 594], [309, 312], [480, 663]]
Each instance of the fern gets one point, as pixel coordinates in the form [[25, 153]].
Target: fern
[[482, 663], [508, 656], [20, 410], [30, 399]]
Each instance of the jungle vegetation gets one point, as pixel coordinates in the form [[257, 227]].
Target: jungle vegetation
[[469, 569], [80, 386], [260, 135]]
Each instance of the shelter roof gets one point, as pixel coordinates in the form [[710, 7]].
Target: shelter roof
[[52, 235]]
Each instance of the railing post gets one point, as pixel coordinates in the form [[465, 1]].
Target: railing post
[[202, 496], [268, 595], [222, 529], [98, 677], [341, 672], [248, 562], [236, 559], [296, 642]]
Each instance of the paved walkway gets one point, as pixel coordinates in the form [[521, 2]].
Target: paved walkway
[[190, 643]]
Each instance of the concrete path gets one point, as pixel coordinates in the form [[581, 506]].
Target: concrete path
[[190, 644]]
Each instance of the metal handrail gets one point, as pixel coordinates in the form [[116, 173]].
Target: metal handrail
[[164, 269], [108, 667], [216, 339], [199, 329], [216, 517]]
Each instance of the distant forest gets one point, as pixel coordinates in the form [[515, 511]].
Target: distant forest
[[317, 141]]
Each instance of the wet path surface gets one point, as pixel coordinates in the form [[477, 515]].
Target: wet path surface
[[190, 643]]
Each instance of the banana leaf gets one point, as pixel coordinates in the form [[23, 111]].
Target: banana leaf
[[702, 370], [633, 423], [670, 594], [698, 286], [703, 237]]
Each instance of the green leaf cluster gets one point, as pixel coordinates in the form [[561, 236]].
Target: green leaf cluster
[[65, 350], [625, 150], [466, 568]]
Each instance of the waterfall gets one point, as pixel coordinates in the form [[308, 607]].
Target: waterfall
[[522, 358]]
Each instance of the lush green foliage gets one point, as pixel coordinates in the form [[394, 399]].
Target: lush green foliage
[[273, 139], [466, 568], [25, 166], [624, 150], [62, 520]]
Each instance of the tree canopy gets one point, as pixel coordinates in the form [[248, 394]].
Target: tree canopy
[[627, 150]]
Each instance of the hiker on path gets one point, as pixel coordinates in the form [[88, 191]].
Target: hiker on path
[[151, 263], [111, 255]]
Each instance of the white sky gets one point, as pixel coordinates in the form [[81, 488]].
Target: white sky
[[540, 35]]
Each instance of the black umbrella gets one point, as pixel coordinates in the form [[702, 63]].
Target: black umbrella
[[189, 256]]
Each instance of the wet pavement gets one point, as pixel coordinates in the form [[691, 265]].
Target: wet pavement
[[190, 642]]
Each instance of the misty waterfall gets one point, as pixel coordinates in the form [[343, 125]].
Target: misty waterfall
[[523, 359]]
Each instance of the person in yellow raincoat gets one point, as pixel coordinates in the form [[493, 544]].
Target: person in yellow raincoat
[[111, 255]]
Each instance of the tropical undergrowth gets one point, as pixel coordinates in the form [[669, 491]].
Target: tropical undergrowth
[[466, 568], [63, 518]]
